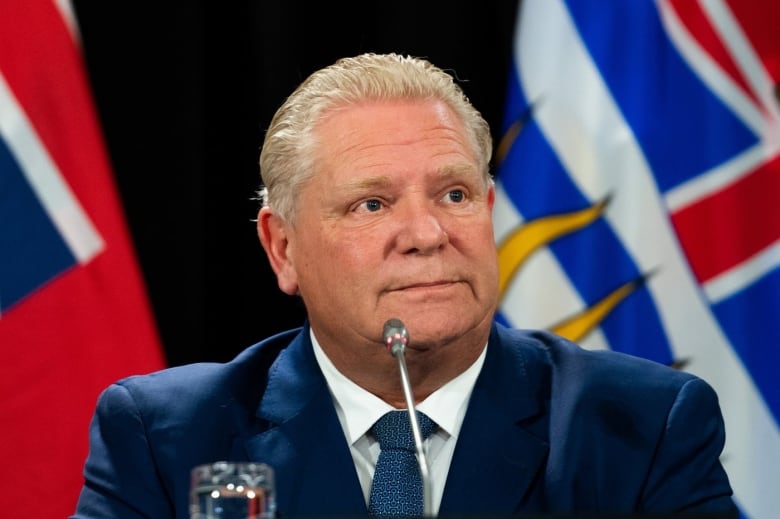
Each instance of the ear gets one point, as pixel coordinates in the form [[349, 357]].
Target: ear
[[491, 195], [273, 235]]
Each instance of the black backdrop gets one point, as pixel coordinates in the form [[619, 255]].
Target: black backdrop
[[185, 90]]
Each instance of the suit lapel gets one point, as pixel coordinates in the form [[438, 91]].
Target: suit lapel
[[298, 433], [502, 412]]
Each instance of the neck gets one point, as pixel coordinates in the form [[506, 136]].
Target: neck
[[374, 368]]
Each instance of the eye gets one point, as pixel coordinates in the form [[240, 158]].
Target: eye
[[456, 195], [371, 205]]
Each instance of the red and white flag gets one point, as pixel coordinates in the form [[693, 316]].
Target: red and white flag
[[74, 315]]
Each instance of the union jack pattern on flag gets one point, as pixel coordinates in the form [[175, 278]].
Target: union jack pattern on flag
[[73, 310], [637, 182]]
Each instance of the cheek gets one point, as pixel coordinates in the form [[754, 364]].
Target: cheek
[[352, 260], [326, 258], [482, 249], [477, 235]]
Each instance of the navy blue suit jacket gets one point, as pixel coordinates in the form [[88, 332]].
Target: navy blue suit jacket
[[550, 429]]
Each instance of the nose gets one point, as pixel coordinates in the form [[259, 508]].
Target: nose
[[421, 230]]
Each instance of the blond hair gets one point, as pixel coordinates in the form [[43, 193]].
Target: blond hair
[[286, 159]]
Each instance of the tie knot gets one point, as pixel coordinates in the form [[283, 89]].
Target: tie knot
[[393, 430]]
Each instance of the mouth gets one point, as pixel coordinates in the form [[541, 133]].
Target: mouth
[[433, 284], [427, 286]]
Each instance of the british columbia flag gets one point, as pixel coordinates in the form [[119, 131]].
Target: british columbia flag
[[73, 312], [638, 178]]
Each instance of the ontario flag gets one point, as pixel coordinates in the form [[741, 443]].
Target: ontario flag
[[638, 202], [73, 310]]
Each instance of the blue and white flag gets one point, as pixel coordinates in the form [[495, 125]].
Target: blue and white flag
[[638, 179]]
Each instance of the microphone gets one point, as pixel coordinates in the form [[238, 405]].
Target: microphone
[[396, 337]]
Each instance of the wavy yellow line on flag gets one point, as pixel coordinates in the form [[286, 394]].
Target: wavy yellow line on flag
[[523, 241], [508, 140], [578, 326]]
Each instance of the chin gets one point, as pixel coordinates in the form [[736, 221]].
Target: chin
[[423, 328], [437, 320]]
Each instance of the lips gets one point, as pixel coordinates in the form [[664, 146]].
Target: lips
[[424, 285], [430, 285]]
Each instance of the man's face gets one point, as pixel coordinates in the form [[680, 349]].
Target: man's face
[[396, 222]]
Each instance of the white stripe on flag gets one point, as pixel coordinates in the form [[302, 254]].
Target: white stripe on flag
[[744, 274], [46, 180], [749, 64], [576, 114], [717, 80], [719, 177], [69, 17]]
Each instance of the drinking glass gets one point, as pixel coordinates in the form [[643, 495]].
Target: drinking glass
[[232, 490]]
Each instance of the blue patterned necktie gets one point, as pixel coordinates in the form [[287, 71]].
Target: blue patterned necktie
[[397, 489]]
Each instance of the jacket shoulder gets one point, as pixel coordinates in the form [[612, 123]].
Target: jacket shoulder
[[174, 390], [575, 365]]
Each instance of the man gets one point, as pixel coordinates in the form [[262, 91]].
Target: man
[[377, 204]]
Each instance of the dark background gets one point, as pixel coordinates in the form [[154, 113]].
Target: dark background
[[185, 92]]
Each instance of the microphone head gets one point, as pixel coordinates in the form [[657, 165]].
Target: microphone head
[[395, 335]]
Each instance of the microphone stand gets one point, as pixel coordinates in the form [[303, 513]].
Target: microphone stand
[[397, 344]]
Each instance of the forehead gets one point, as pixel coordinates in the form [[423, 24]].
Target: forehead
[[392, 128]]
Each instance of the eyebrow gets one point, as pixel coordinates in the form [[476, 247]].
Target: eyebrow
[[367, 183], [458, 170]]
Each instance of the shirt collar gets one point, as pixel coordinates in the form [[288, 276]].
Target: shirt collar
[[358, 409]]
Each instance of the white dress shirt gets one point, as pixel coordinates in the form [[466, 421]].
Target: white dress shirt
[[358, 409]]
